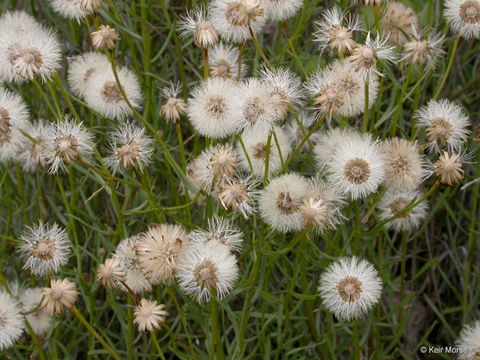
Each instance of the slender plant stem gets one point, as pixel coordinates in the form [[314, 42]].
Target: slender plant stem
[[157, 345], [217, 346], [403, 271], [449, 68], [366, 111], [240, 53], [67, 98], [205, 64], [402, 99], [257, 46], [292, 48]]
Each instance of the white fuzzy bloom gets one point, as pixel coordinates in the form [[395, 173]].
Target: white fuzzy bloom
[[463, 17], [327, 144], [197, 24], [129, 147], [18, 23], [399, 22], [103, 94], [33, 52], [149, 315], [298, 127], [33, 154], [127, 254], [13, 117], [256, 144], [82, 67], [45, 248], [70, 9], [215, 164], [357, 168], [29, 299], [238, 194], [232, 18], [204, 269], [286, 90], [469, 341], [253, 104], [339, 89], [221, 232], [210, 108], [445, 124], [393, 201], [69, 142], [11, 321], [335, 31], [350, 287], [224, 62], [279, 203], [422, 49], [281, 10], [365, 57]]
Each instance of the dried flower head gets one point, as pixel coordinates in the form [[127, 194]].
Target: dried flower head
[[220, 232], [357, 168], [197, 24], [45, 248], [404, 166], [11, 321], [339, 89], [394, 201], [210, 108], [69, 142], [13, 118], [279, 203], [60, 295], [238, 194], [158, 250], [335, 31], [215, 164], [446, 125], [81, 68], [350, 287], [174, 106], [33, 153], [281, 10], [256, 145], [104, 38], [91, 5], [463, 17], [70, 9], [224, 62], [398, 21], [449, 169], [148, 315], [127, 254], [233, 19], [205, 270], [372, 2], [469, 341], [421, 50], [110, 273], [130, 148]]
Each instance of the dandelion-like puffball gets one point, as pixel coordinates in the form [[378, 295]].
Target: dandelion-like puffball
[[449, 169], [224, 62], [197, 24], [11, 321], [210, 108], [421, 50], [174, 106], [60, 295], [238, 194], [233, 19], [335, 31], [129, 148], [104, 38], [33, 153], [13, 118], [70, 9], [326, 145], [69, 142], [220, 232], [445, 124], [279, 203], [253, 104], [286, 90], [28, 300], [127, 254], [148, 315], [110, 273], [45, 248], [215, 164], [104, 95], [256, 145], [404, 166], [350, 287], [463, 17], [281, 10], [339, 89], [32, 53], [357, 168], [81, 68], [18, 23], [399, 20], [158, 250], [91, 5], [469, 341], [207, 270]]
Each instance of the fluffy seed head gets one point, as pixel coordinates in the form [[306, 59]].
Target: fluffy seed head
[[33, 153], [224, 62], [350, 287], [174, 106], [91, 5], [11, 321], [196, 23], [110, 273], [421, 50], [238, 194], [30, 299], [215, 164], [399, 20], [60, 295], [463, 17], [469, 341], [104, 38], [70, 9], [81, 68], [449, 169], [281, 10], [327, 144], [221, 232], [45, 248], [148, 315]]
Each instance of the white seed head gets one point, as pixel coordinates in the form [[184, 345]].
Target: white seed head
[[215, 164], [174, 106], [399, 20], [197, 24], [469, 341], [110, 273], [449, 169], [421, 50], [224, 62], [104, 38], [221, 232], [463, 16], [281, 10], [70, 9], [60, 295], [149, 315], [33, 154], [29, 299], [11, 321], [81, 68], [238, 194]]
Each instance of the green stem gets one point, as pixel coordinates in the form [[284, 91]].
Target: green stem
[[292, 48], [67, 98], [402, 99], [217, 346], [257, 46], [449, 67], [403, 270], [366, 112], [157, 345], [205, 64]]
